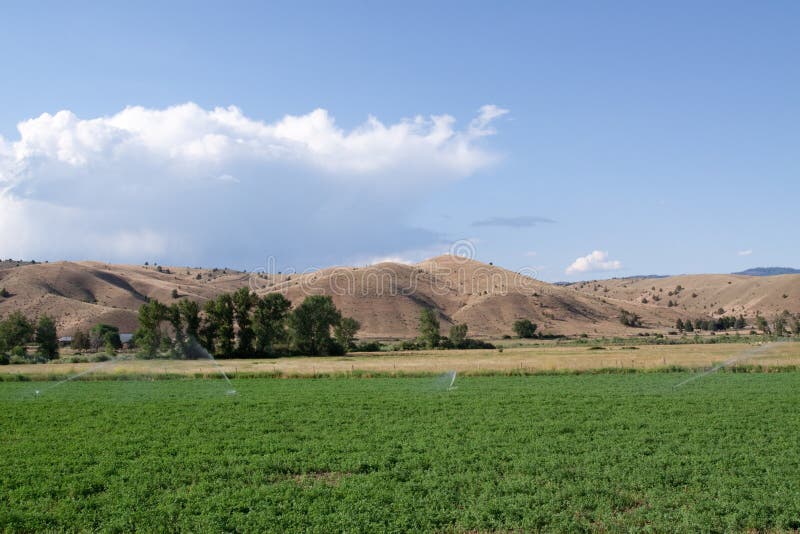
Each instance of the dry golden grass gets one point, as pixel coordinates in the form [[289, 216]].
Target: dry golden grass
[[537, 358]]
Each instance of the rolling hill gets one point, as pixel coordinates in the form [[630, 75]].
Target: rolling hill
[[386, 298]]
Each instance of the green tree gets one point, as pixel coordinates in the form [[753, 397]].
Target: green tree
[[458, 335], [80, 340], [630, 319], [221, 314], [310, 325], [679, 325], [345, 332], [148, 335], [779, 324], [762, 324], [428, 328], [524, 328], [190, 312], [740, 322], [102, 334], [269, 322], [47, 337], [688, 325], [15, 331], [180, 342], [243, 302], [4, 293]]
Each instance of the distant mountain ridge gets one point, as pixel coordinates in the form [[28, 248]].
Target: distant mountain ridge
[[768, 271]]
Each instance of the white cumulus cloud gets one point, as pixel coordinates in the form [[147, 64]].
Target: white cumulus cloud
[[596, 261], [747, 252], [211, 185]]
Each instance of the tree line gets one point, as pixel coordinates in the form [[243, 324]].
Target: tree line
[[17, 332], [780, 325], [244, 325]]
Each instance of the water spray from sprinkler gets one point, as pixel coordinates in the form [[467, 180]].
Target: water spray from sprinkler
[[231, 391], [745, 355], [452, 386]]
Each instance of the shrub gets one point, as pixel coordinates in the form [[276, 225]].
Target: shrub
[[524, 328]]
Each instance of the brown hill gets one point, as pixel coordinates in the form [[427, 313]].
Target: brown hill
[[386, 298], [699, 295]]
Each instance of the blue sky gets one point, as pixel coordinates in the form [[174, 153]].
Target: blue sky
[[642, 137]]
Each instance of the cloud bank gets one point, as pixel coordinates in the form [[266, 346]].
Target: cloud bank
[[189, 185], [596, 261], [525, 221]]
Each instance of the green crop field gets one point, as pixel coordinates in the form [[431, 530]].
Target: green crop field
[[556, 453]]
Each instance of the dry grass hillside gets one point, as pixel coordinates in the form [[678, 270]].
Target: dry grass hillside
[[386, 298], [700, 295]]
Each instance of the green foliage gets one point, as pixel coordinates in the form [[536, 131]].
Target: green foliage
[[428, 328], [243, 302], [524, 328], [148, 335], [104, 334], [458, 335], [310, 325], [499, 454], [4, 293], [779, 324], [269, 322], [15, 331], [47, 338], [630, 319], [80, 340], [763, 325], [345, 333], [220, 318], [190, 314]]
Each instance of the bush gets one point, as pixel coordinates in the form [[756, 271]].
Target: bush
[[367, 346], [470, 343], [16, 359], [524, 328]]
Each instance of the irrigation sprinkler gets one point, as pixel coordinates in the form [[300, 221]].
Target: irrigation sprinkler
[[744, 355]]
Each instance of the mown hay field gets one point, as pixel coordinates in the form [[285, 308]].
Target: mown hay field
[[547, 357]]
